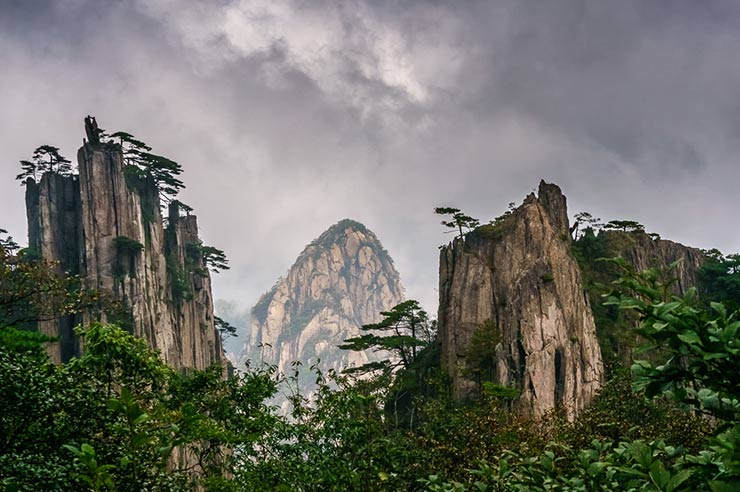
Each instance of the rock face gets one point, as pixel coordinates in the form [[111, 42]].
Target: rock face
[[641, 251], [107, 228], [644, 252], [340, 281], [518, 285]]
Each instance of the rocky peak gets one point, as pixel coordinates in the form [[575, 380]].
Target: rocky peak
[[512, 310], [108, 228], [341, 281]]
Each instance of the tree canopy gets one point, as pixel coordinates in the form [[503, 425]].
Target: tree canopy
[[33, 289], [45, 158], [141, 162], [624, 226], [458, 219], [402, 332]]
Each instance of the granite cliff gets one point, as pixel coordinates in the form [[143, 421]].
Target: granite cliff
[[106, 226], [515, 286], [340, 281]]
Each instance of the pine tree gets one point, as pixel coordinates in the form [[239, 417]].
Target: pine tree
[[45, 158]]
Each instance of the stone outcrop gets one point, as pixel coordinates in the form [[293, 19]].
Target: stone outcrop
[[340, 281], [516, 284], [107, 227], [643, 252]]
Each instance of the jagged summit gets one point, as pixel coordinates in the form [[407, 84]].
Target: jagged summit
[[341, 281], [512, 310]]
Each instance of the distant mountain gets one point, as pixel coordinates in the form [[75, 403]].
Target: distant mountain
[[340, 281]]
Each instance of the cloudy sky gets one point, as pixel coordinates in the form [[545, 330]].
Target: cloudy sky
[[290, 115]]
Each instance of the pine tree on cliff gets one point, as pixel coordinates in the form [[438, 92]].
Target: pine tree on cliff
[[46, 158], [141, 162], [410, 330], [458, 220]]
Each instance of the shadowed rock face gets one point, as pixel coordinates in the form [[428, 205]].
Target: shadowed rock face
[[75, 220], [520, 279], [341, 281], [643, 252]]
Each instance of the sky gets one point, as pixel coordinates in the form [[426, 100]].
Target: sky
[[291, 115]]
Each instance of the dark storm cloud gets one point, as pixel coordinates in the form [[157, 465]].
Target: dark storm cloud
[[289, 116]]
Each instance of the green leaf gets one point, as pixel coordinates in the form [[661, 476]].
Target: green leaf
[[719, 486], [690, 337], [659, 475], [678, 479], [596, 468]]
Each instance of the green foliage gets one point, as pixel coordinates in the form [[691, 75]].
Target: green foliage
[[23, 341], [213, 258], [7, 243], [33, 290], [115, 418], [410, 329], [46, 158], [613, 327], [126, 245], [143, 164], [498, 227], [624, 226], [224, 327], [98, 477], [582, 222], [720, 278], [703, 367], [480, 356], [178, 279], [458, 219]]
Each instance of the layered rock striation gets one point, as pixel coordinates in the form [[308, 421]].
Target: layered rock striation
[[106, 226], [340, 281], [515, 287]]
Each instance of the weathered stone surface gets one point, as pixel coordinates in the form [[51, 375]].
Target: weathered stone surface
[[75, 221], [643, 252], [521, 278], [55, 233], [341, 281]]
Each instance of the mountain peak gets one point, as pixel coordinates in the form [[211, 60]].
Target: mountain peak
[[341, 281]]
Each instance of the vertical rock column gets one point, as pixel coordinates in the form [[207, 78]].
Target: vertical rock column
[[110, 231], [54, 233]]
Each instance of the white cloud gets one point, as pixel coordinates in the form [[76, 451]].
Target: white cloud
[[354, 56]]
